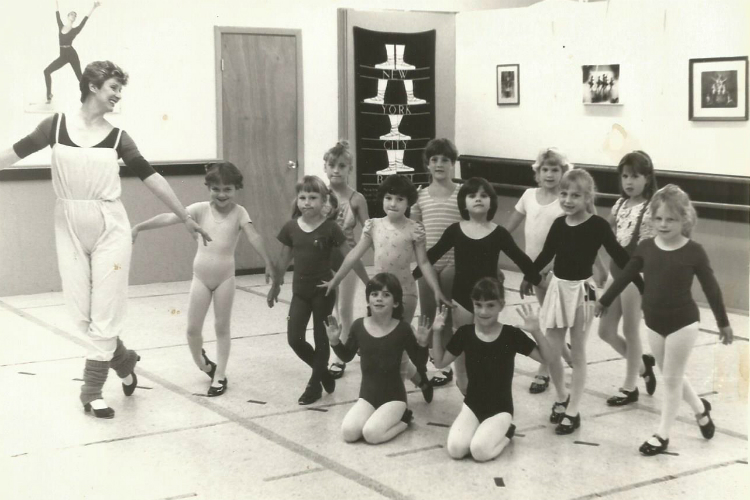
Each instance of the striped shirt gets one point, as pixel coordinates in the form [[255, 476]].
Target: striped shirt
[[436, 214]]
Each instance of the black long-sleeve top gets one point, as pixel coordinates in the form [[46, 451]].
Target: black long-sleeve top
[[67, 38], [477, 258], [574, 248]]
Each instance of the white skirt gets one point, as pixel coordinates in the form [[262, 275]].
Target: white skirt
[[561, 302]]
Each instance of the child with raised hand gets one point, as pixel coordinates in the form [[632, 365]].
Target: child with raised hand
[[573, 241], [484, 426], [437, 208], [396, 240], [630, 221], [477, 243], [311, 239], [539, 207], [669, 262], [213, 267], [351, 209], [380, 413]]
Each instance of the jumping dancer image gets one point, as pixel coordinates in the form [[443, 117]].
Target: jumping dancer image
[[68, 55]]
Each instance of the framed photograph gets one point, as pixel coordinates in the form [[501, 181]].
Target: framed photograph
[[508, 84], [601, 84], [718, 89]]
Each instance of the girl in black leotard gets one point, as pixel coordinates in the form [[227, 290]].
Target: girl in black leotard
[[380, 414], [477, 243], [483, 427], [68, 55]]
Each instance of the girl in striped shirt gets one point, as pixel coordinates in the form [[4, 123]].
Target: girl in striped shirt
[[437, 208]]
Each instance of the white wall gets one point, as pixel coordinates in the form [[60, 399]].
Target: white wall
[[651, 39]]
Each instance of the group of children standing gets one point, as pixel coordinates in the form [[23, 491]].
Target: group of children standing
[[449, 231]]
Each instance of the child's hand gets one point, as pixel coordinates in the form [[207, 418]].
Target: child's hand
[[269, 274], [328, 285], [273, 294], [195, 229], [726, 335], [443, 300], [134, 234], [526, 289], [599, 310], [530, 318], [440, 318], [423, 331], [333, 330]]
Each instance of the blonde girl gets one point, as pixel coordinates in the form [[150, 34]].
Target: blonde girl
[[573, 241], [630, 221], [351, 210], [669, 262], [539, 207]]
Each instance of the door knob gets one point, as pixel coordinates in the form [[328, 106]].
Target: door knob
[[291, 164]]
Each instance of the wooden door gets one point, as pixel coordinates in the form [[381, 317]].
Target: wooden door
[[260, 88]]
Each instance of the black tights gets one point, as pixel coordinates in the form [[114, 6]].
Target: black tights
[[313, 302], [67, 55]]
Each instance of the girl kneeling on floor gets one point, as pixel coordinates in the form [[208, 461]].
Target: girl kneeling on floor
[[484, 426], [381, 338]]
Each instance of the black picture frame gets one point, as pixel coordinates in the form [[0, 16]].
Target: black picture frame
[[717, 89], [508, 84]]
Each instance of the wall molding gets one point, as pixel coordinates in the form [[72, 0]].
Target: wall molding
[[721, 197]]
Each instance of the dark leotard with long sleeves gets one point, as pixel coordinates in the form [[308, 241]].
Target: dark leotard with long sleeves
[[66, 39], [667, 302], [574, 248], [489, 367], [381, 360], [477, 258], [44, 135]]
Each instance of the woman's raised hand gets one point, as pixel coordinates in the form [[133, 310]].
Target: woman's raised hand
[[333, 330]]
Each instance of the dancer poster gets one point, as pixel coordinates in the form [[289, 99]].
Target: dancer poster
[[53, 84], [395, 106]]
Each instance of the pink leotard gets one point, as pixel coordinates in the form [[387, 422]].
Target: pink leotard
[[214, 263]]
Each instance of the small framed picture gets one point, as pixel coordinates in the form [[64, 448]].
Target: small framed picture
[[508, 84], [718, 89], [601, 84]]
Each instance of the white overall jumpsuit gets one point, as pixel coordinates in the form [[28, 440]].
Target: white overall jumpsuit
[[93, 239]]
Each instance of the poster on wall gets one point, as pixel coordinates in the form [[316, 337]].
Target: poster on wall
[[601, 84], [53, 73], [718, 89], [394, 92]]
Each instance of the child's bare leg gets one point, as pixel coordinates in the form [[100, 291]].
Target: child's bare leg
[[631, 319], [200, 299], [408, 370], [461, 433], [223, 300], [490, 437], [556, 339], [578, 336], [385, 423], [672, 353], [355, 420]]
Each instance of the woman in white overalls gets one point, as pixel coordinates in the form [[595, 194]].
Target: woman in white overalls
[[92, 231]]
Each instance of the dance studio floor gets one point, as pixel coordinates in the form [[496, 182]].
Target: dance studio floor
[[169, 441]]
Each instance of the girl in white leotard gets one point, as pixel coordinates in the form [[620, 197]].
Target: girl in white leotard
[[213, 267]]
